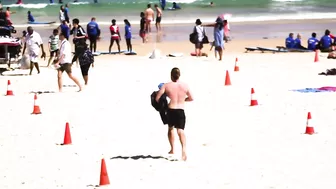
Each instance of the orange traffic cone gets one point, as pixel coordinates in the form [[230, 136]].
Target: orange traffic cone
[[9, 89], [36, 106], [236, 68], [316, 56], [309, 127], [67, 135], [227, 79], [254, 101], [104, 179]]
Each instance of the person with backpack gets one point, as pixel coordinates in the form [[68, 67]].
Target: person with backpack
[[115, 35], [86, 59]]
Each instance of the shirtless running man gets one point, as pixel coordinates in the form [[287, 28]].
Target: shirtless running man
[[158, 17], [149, 15], [178, 93]]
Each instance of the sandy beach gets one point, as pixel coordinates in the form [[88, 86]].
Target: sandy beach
[[229, 144]]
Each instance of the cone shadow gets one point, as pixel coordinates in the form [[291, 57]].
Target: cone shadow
[[137, 157]]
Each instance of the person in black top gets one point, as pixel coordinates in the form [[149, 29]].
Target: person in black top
[[79, 38], [142, 31]]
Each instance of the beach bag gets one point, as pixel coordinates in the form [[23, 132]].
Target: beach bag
[[193, 37], [86, 58], [25, 62], [205, 39]]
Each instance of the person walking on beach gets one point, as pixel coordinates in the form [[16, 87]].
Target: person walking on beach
[[61, 14], [79, 37], [65, 29], [53, 46], [200, 30], [142, 32], [219, 37], [178, 93], [34, 42], [86, 59], [158, 17], [8, 14], [93, 31], [149, 15], [64, 63], [115, 35], [66, 13], [128, 35]]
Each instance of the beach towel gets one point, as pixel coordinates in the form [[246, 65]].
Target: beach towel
[[315, 90]]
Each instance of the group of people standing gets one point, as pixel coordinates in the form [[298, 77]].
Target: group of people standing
[[221, 35]]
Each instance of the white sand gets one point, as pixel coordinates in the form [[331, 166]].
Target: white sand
[[230, 145]]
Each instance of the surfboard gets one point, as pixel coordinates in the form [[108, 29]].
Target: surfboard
[[96, 53], [41, 22], [130, 53], [112, 52], [177, 55]]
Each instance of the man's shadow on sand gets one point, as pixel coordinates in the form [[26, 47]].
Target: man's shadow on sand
[[137, 157]]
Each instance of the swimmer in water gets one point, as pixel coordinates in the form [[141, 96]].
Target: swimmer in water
[[212, 4]]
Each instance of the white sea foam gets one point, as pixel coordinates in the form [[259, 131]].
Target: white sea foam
[[29, 6]]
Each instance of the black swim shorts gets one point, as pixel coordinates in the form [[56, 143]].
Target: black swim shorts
[[176, 118], [158, 19]]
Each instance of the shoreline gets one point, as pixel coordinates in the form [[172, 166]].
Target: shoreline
[[191, 22], [239, 31]]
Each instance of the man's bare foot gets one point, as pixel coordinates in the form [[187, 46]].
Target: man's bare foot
[[184, 156], [171, 152]]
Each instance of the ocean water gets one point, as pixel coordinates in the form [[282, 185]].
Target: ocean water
[[241, 10]]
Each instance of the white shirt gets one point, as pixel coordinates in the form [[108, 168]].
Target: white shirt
[[61, 15], [66, 51], [33, 43], [200, 32]]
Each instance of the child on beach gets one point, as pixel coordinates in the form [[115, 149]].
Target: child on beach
[[115, 35], [53, 46], [128, 35], [142, 32]]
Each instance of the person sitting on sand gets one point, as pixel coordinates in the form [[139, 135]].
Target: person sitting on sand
[[326, 42], [297, 43], [313, 42], [290, 42], [30, 17], [175, 6]]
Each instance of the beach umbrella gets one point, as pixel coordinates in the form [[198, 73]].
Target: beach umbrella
[[225, 16]]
